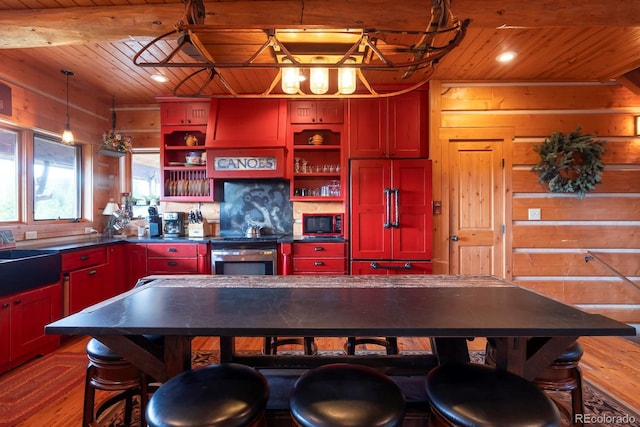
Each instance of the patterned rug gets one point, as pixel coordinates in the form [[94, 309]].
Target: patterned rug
[[31, 387]]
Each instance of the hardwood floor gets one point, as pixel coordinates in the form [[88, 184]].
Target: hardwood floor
[[610, 363]]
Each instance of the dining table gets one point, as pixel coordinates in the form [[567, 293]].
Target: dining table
[[448, 309]]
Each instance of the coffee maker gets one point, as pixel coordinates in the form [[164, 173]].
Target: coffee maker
[[155, 222], [174, 224]]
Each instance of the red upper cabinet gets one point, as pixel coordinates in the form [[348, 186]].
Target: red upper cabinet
[[395, 127], [247, 123], [316, 112], [184, 113]]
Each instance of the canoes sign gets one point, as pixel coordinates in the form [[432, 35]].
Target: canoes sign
[[245, 163]]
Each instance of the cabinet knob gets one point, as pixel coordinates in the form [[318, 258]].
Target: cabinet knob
[[5, 305], [18, 301], [318, 248], [318, 263], [455, 238]]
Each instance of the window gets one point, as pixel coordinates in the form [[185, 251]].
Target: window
[[145, 185], [8, 176], [56, 180]]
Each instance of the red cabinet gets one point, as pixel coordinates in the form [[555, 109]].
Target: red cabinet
[[247, 123], [136, 262], [316, 112], [86, 278], [182, 258], [391, 267], [23, 317], [184, 113], [395, 127], [324, 258], [117, 280], [391, 210]]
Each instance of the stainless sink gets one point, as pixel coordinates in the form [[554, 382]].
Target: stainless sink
[[24, 269]]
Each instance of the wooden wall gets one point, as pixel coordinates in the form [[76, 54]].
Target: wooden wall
[[549, 255]]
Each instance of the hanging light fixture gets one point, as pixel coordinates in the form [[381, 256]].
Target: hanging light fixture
[[67, 135], [319, 77], [290, 78], [347, 77]]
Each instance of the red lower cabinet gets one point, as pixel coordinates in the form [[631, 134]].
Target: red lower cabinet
[[391, 267], [320, 258], [23, 317]]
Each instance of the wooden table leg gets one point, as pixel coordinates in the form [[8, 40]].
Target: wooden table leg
[[450, 350], [227, 349], [177, 354]]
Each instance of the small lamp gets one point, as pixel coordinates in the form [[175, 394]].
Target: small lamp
[[67, 135], [110, 211]]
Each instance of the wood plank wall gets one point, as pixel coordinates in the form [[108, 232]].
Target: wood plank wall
[[549, 255]]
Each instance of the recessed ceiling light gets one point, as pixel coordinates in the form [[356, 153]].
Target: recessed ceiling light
[[159, 78], [506, 57]]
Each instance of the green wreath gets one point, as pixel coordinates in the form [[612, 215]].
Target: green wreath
[[570, 163]]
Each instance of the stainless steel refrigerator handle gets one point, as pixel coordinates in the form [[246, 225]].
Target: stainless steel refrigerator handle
[[396, 223], [387, 222], [406, 266]]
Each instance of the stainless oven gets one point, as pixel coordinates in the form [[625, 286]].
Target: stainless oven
[[244, 258]]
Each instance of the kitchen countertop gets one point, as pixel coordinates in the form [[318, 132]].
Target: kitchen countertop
[[82, 242]]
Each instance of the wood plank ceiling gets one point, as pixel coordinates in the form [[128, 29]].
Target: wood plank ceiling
[[556, 41]]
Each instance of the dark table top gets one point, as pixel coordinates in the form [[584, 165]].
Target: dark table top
[[445, 306]]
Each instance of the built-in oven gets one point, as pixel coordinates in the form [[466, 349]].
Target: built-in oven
[[244, 257]]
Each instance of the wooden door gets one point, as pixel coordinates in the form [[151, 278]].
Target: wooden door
[[476, 207]]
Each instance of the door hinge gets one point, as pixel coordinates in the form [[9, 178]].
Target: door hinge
[[503, 229], [502, 163]]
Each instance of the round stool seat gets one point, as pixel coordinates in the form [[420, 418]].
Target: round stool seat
[[226, 395], [479, 395], [97, 350], [573, 353], [345, 394]]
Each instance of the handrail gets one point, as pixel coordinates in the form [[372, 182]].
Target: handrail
[[591, 255]]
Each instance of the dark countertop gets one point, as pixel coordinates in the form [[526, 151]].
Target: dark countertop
[[83, 242]]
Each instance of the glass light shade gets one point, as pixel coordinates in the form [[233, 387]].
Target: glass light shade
[[290, 79], [347, 78], [318, 77], [67, 135], [110, 209]]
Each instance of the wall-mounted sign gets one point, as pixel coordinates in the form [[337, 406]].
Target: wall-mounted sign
[[246, 163], [225, 163], [5, 100]]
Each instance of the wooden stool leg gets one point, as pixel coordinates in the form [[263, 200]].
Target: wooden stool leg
[[89, 397], [576, 396], [144, 398]]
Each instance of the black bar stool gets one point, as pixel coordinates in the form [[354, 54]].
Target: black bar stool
[[478, 395], [390, 344], [346, 395], [226, 394], [109, 372], [563, 374], [308, 344]]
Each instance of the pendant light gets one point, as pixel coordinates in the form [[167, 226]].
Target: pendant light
[[347, 77], [319, 77], [67, 135], [290, 78]]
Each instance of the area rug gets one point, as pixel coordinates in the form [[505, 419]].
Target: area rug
[[30, 387], [26, 390]]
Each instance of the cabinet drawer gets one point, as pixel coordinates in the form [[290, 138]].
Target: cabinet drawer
[[168, 250], [316, 250], [175, 265], [310, 265], [85, 258]]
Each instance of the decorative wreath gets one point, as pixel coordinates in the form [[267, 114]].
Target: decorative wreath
[[570, 163]]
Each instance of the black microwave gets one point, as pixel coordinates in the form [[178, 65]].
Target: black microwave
[[322, 224]]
